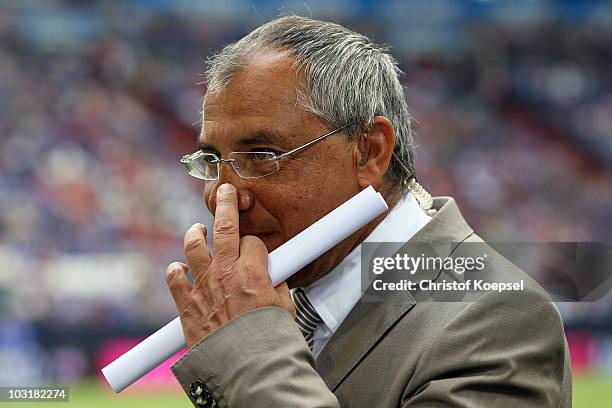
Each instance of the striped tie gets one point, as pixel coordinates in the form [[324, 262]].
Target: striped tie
[[307, 317]]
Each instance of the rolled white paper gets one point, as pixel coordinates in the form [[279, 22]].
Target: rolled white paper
[[283, 262]]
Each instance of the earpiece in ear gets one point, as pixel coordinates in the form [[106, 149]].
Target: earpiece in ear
[[363, 160]]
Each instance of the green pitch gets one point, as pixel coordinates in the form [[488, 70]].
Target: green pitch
[[593, 391], [589, 392]]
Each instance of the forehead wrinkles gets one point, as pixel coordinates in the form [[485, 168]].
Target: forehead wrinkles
[[266, 85]]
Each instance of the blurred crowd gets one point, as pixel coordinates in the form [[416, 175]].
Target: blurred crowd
[[99, 100]]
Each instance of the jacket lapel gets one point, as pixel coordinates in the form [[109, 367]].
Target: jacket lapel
[[369, 321]]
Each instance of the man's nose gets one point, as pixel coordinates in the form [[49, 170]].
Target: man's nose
[[246, 198]]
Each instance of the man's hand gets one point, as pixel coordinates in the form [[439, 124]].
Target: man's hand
[[232, 282]]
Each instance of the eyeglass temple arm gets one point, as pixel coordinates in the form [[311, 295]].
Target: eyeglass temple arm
[[318, 139]]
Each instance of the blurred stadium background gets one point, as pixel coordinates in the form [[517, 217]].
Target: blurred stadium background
[[98, 100]]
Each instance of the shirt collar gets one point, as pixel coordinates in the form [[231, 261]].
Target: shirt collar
[[334, 295]]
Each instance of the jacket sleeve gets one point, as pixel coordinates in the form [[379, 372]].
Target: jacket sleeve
[[497, 352], [258, 359]]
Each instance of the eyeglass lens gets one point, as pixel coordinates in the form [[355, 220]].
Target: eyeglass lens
[[247, 164]]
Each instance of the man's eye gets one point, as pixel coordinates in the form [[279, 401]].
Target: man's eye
[[263, 155], [208, 159]]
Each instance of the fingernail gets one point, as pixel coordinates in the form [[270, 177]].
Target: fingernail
[[178, 267], [225, 189]]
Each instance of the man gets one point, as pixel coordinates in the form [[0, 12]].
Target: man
[[299, 116]]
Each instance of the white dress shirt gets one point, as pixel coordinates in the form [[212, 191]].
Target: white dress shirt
[[334, 295]]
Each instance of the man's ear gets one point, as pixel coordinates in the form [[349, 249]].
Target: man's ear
[[375, 150]]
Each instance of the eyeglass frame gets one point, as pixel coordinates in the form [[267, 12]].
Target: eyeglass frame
[[190, 157], [219, 160]]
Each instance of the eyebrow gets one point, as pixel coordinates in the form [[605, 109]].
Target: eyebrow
[[257, 138]]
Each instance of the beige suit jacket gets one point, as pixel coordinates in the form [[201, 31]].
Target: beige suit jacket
[[490, 351]]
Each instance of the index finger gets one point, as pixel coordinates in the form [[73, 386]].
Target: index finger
[[226, 236]]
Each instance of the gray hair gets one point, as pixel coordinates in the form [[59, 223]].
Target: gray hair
[[347, 78]]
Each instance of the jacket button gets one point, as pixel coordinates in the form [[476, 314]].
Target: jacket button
[[196, 388], [206, 401], [202, 396]]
